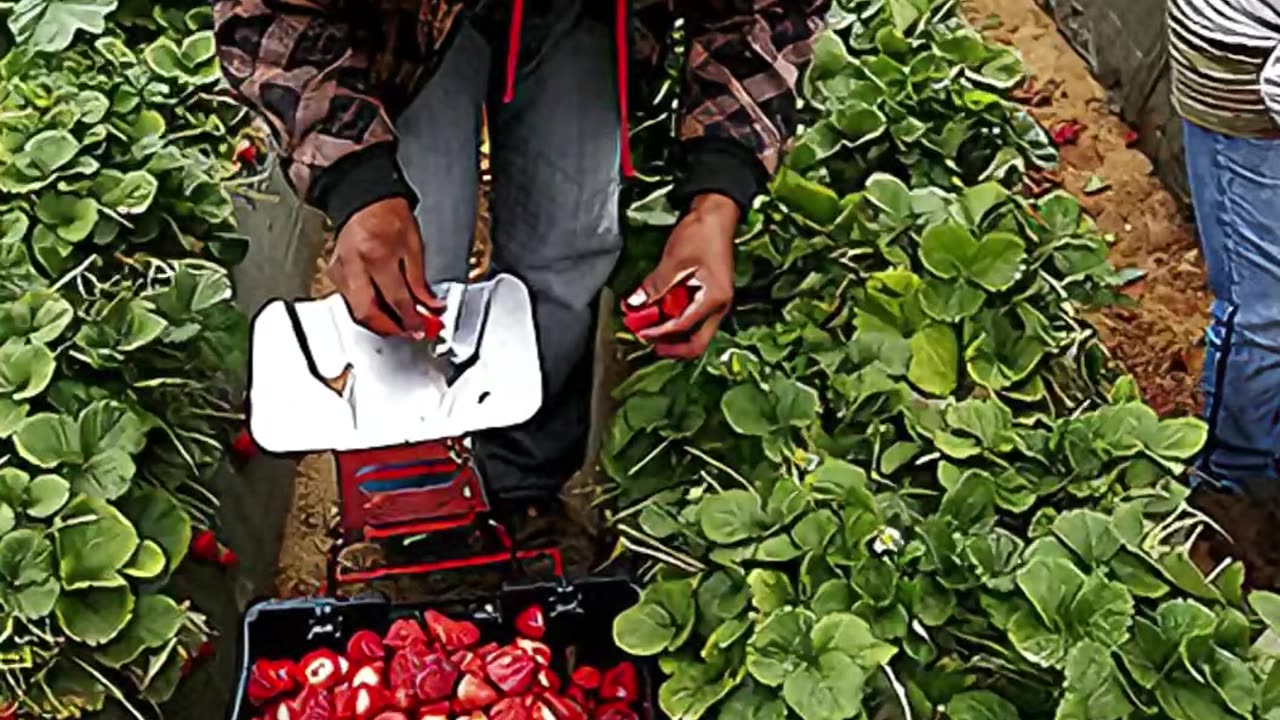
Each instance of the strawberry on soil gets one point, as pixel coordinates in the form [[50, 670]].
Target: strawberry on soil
[[437, 670]]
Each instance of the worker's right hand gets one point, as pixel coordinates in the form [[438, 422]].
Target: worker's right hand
[[378, 268]]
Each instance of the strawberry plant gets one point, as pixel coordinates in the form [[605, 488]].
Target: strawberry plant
[[118, 340], [906, 481]]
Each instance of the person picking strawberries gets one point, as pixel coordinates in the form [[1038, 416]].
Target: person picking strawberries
[[376, 109]]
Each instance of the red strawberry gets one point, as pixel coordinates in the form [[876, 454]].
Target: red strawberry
[[247, 153], [453, 634], [642, 319], [615, 711], [437, 678], [432, 326], [242, 446], [547, 679], [579, 696], [320, 669], [511, 669], [204, 546], [344, 702], [484, 652], [564, 708], [474, 694], [538, 651], [228, 558], [9, 712], [403, 633], [283, 711], [675, 302], [269, 679], [1130, 138], [407, 665], [510, 709], [368, 676], [468, 661], [403, 698], [531, 623], [1066, 132], [313, 703], [586, 677], [204, 651], [369, 702], [619, 683], [392, 715], [365, 646], [435, 711]]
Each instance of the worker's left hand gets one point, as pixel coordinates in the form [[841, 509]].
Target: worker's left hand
[[699, 249]]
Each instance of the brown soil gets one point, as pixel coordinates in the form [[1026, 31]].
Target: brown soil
[[1156, 340]]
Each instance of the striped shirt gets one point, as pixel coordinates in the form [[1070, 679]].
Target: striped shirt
[[1226, 64]]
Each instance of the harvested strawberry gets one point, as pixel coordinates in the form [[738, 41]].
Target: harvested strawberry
[[579, 696], [392, 715], [320, 669], [242, 446], [586, 677], [538, 651], [453, 634], [268, 679], [204, 546], [511, 669], [510, 709], [344, 702], [619, 683], [564, 708], [468, 661], [432, 326], [675, 302], [403, 633], [367, 676], [313, 703], [474, 694], [435, 711], [406, 665], [403, 698], [485, 651], [283, 711], [615, 711], [436, 679], [247, 153], [531, 623], [642, 319], [364, 647], [548, 680], [370, 701]]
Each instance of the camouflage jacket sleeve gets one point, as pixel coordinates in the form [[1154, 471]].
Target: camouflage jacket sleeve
[[744, 63], [303, 65]]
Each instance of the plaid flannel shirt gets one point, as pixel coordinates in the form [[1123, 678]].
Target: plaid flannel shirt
[[330, 77]]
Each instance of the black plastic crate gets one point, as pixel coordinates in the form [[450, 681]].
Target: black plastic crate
[[289, 629]]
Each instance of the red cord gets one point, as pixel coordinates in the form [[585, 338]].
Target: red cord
[[513, 49], [620, 40]]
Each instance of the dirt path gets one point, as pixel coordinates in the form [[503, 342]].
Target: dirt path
[[1158, 339]]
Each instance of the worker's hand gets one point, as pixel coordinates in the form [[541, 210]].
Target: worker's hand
[[378, 268], [699, 250]]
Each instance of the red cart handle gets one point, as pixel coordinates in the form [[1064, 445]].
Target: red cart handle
[[670, 306]]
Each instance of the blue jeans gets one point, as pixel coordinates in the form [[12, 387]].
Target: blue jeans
[[555, 159], [1235, 188]]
